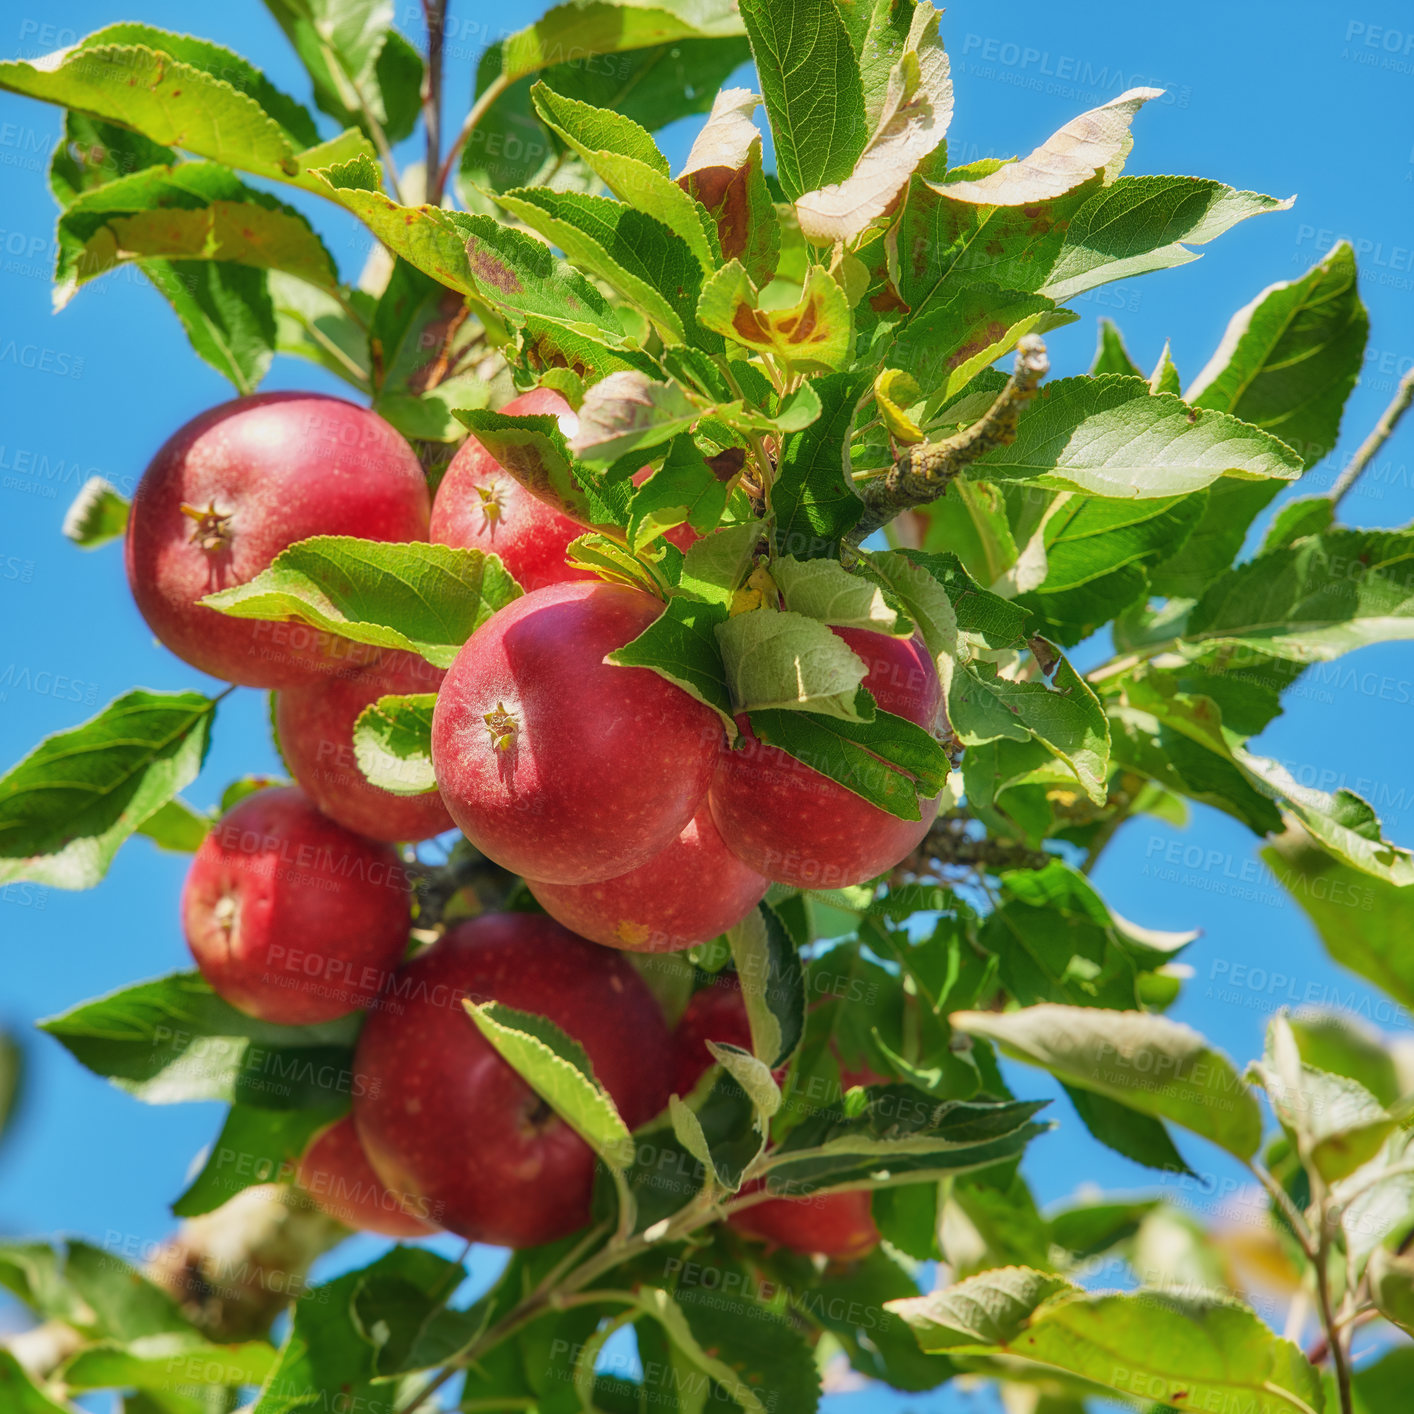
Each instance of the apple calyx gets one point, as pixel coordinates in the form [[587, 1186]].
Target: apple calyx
[[490, 504], [212, 528], [502, 727]]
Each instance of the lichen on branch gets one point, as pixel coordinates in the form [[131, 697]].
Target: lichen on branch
[[923, 472]]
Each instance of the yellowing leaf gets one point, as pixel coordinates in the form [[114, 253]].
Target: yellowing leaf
[[812, 335], [1087, 144], [916, 112]]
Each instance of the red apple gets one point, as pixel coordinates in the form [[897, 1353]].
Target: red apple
[[835, 1224], [556, 764], [291, 917], [233, 488], [481, 506], [798, 827], [336, 1174], [444, 1119], [315, 725], [686, 894], [838, 1225], [715, 1012]]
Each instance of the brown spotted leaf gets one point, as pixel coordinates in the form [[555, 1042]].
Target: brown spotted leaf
[[913, 120], [723, 172], [1096, 141], [813, 335]]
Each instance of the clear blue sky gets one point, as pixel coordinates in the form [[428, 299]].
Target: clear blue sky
[[1294, 98]]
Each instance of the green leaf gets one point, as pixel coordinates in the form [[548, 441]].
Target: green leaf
[[173, 1039], [599, 27], [1363, 922], [172, 1362], [1179, 740], [534, 450], [329, 1346], [558, 1070], [899, 1132], [681, 646], [1141, 1138], [1055, 939], [312, 325], [176, 827], [1343, 1043], [425, 599], [926, 602], [772, 984], [626, 159], [715, 566], [91, 153], [1147, 1062], [96, 515], [1289, 359], [364, 72], [254, 1146], [1164, 378], [418, 331], [683, 491], [506, 269], [66, 808], [1344, 823], [648, 264], [777, 659], [907, 123], [812, 89], [956, 334], [1184, 1350], [1306, 515], [12, 1079], [1112, 437], [226, 312], [1111, 356], [990, 1309], [723, 173], [1093, 143], [1337, 1125], [1286, 364], [742, 1347], [1098, 554], [185, 93], [814, 335], [20, 1393], [629, 412], [1313, 600], [1064, 715], [825, 590], [888, 761], [1139, 224], [849, 1303], [392, 743], [812, 497], [193, 211]]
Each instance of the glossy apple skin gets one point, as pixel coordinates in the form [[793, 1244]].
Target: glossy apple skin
[[797, 827], [282, 467], [336, 1174], [603, 767], [481, 506], [688, 893], [315, 725], [443, 1118], [838, 1225], [290, 917]]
